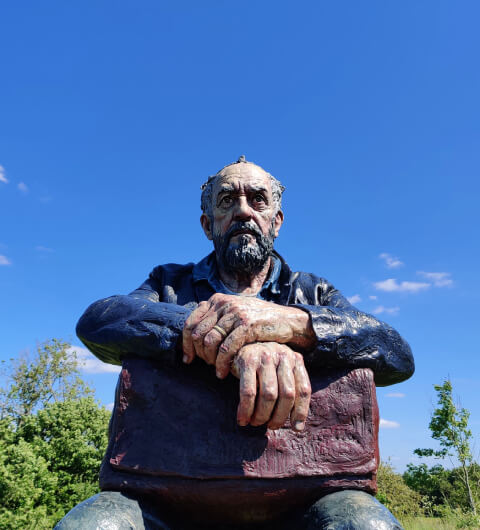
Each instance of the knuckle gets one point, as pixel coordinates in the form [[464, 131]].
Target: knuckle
[[209, 340], [266, 356], [269, 394], [248, 393], [289, 394], [304, 393]]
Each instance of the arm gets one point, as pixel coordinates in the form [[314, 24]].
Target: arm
[[331, 334], [347, 337], [133, 324]]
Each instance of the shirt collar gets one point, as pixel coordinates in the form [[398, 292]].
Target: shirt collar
[[206, 270]]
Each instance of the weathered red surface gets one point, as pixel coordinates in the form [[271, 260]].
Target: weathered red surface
[[174, 435]]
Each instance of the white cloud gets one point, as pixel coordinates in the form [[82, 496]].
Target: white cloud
[[22, 187], [395, 395], [387, 424], [354, 299], [3, 178], [109, 406], [391, 285], [382, 309], [390, 261], [91, 365], [372, 297], [4, 260], [40, 248], [439, 279]]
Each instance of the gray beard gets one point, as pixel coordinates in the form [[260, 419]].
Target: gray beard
[[245, 257]]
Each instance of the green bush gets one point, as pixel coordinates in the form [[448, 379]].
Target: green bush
[[53, 436], [396, 495]]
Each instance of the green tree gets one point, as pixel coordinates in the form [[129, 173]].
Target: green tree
[[449, 425], [53, 436], [433, 483], [51, 375]]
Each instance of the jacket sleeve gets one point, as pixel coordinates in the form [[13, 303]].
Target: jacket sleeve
[[137, 324], [347, 337]]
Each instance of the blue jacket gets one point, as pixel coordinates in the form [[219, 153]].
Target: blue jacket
[[149, 321]]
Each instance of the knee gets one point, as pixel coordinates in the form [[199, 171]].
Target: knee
[[107, 510], [350, 510]]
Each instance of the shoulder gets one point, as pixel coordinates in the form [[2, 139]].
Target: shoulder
[[312, 289], [171, 271], [308, 288]]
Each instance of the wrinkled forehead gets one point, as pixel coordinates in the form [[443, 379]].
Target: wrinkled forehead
[[242, 176]]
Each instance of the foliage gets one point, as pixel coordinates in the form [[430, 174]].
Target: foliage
[[442, 487], [51, 375], [395, 494], [52, 439], [449, 425], [432, 483]]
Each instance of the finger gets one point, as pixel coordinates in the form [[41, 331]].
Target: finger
[[303, 392], [199, 332], [248, 393], [187, 343], [267, 392], [286, 393], [214, 338], [229, 348]]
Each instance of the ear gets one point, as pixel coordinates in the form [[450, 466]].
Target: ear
[[206, 225], [278, 222]]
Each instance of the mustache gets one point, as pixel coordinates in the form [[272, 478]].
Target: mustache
[[241, 226]]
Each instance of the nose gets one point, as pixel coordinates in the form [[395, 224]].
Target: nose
[[243, 210]]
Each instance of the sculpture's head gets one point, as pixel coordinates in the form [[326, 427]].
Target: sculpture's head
[[242, 215]]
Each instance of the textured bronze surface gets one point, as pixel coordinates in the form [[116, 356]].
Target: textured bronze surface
[[174, 435]]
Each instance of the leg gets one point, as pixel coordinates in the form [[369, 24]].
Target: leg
[[349, 510], [111, 510]]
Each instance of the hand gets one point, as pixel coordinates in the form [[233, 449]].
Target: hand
[[282, 381], [243, 321]]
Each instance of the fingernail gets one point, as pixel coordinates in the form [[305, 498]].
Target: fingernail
[[185, 358], [219, 374], [299, 425]]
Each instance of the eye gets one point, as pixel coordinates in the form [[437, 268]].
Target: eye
[[226, 200], [258, 198]]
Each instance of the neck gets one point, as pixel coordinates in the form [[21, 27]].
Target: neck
[[247, 285]]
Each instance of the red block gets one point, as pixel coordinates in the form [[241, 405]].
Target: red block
[[175, 438]]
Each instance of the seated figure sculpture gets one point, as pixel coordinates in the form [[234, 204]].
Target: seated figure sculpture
[[246, 397]]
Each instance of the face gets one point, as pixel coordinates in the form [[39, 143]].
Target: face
[[245, 220]]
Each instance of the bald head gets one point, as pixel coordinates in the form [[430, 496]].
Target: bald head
[[240, 168]]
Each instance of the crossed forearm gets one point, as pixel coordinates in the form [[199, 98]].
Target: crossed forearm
[[218, 328]]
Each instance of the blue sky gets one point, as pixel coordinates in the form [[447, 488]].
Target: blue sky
[[113, 114]]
